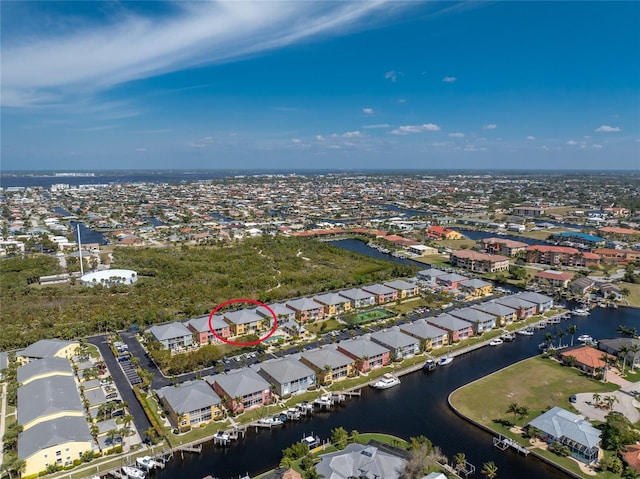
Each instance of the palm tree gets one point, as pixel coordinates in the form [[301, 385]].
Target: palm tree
[[572, 329], [459, 460], [560, 334], [490, 469], [623, 352], [610, 400], [634, 349], [513, 408], [596, 398], [548, 337], [523, 412]]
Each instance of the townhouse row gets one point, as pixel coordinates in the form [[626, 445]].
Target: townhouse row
[[194, 402]]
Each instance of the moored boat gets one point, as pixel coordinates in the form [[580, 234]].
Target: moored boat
[[133, 472], [145, 462], [526, 332], [387, 381], [430, 365], [496, 342], [444, 360]]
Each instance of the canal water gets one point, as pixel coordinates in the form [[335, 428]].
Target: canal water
[[418, 406]]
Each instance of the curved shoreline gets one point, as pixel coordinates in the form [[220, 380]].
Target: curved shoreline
[[494, 433]]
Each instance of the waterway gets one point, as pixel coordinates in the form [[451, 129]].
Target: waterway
[[418, 406], [87, 235]]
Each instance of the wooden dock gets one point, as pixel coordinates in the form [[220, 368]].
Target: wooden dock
[[503, 443]]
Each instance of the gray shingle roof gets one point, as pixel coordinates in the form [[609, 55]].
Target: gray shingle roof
[[452, 278], [286, 370], [189, 396], [53, 433], [280, 309], [47, 396], [448, 322], [474, 283], [95, 397], [45, 348], [536, 298], [201, 324], [240, 382], [379, 289], [330, 298], [355, 293], [357, 460], [244, 316], [431, 273], [496, 309], [361, 347], [473, 315], [327, 356], [400, 285], [173, 330], [515, 302], [303, 304], [44, 366], [559, 423], [423, 330], [394, 339]]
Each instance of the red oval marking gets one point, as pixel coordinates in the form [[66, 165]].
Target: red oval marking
[[243, 300]]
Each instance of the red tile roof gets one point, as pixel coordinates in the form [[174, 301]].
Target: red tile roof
[[588, 356]]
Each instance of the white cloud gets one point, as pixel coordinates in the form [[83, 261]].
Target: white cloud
[[202, 142], [368, 111], [449, 79], [296, 141], [531, 137], [320, 138], [572, 142], [490, 126], [407, 129], [129, 45], [607, 129], [393, 75], [456, 135], [377, 125], [352, 134], [596, 146], [402, 100]]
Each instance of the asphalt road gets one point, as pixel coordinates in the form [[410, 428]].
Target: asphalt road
[[126, 393]]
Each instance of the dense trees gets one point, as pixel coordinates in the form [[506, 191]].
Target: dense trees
[[175, 283]]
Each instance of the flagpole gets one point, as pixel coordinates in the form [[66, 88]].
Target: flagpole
[[80, 249]]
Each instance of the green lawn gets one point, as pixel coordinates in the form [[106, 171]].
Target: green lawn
[[372, 315], [538, 383], [634, 296], [324, 326]]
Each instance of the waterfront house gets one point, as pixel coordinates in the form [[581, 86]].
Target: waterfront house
[[48, 398], [245, 321], [450, 280], [405, 289], [475, 288], [430, 337], [329, 364], [524, 309], [283, 314], [43, 368], [200, 327], [359, 298], [47, 348], [504, 314], [609, 291], [553, 278], [401, 345], [543, 303], [190, 403], [457, 328], [586, 358], [383, 294], [333, 303], [368, 355], [581, 286], [479, 262], [173, 336], [362, 462], [571, 430], [306, 309], [576, 237], [288, 376], [430, 275], [241, 389], [480, 321], [57, 442], [438, 232]]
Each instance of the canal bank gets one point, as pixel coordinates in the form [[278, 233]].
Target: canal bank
[[418, 406]]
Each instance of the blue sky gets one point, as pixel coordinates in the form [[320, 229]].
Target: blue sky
[[137, 85]]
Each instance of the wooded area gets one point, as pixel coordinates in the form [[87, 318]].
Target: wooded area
[[175, 283]]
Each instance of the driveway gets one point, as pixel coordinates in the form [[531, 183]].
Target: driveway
[[626, 405], [139, 417]]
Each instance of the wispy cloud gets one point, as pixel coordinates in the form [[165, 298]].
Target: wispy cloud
[[449, 79], [201, 143], [393, 75], [377, 125], [572, 142], [368, 111], [607, 129], [531, 137], [490, 126], [456, 135], [407, 129], [90, 57]]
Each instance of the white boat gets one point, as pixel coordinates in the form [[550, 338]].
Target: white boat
[[271, 421], [324, 400], [133, 472], [430, 365], [585, 338], [145, 462], [508, 336], [580, 312], [311, 441], [496, 342], [387, 381], [444, 360], [526, 332], [221, 435]]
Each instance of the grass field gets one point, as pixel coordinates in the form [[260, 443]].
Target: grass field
[[634, 296], [372, 315], [325, 326], [538, 383]]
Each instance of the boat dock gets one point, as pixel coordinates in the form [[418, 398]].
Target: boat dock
[[503, 443]]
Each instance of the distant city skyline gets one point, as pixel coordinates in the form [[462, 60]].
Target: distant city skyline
[[320, 85]]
